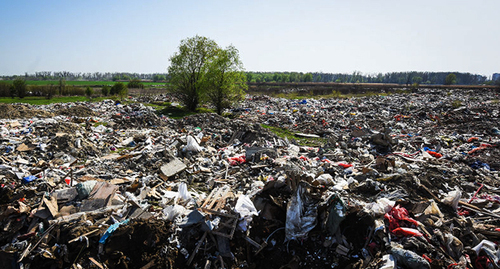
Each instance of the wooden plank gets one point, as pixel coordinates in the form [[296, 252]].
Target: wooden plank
[[51, 205]]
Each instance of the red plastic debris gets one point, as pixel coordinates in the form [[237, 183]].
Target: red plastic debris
[[397, 215], [236, 160], [427, 258], [435, 154], [472, 139], [403, 231], [345, 165], [476, 149]]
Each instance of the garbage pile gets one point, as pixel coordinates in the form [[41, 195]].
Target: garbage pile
[[399, 181]]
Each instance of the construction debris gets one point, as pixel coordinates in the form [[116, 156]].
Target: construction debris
[[396, 181]]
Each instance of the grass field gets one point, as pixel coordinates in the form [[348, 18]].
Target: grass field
[[86, 83], [44, 101]]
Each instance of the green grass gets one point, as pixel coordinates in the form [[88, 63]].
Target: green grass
[[178, 112], [44, 101], [303, 141]]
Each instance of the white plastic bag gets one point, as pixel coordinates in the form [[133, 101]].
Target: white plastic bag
[[452, 198], [246, 209], [301, 214], [325, 179], [192, 145], [183, 193], [171, 212], [381, 206]]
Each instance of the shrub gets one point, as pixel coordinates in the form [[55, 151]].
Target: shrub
[[5, 88], [105, 90], [20, 87], [117, 88], [135, 84], [89, 92]]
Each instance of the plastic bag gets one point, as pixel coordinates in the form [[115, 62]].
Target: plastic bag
[[171, 212], [28, 179], [489, 248], [409, 259], [381, 206], [236, 160], [452, 198], [84, 188], [246, 209], [337, 213], [183, 193], [406, 232], [111, 229], [300, 215], [325, 179], [433, 209], [397, 215], [389, 262], [192, 145], [344, 165]]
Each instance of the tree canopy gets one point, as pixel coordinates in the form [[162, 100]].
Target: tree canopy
[[225, 79], [203, 71], [450, 79]]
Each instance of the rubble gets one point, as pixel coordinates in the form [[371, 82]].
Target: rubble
[[396, 181]]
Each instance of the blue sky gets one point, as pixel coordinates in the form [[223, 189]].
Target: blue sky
[[305, 36]]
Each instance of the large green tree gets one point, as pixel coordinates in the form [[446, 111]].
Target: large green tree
[[450, 79], [188, 68], [225, 79]]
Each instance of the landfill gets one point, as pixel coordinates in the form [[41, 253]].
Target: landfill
[[385, 181]]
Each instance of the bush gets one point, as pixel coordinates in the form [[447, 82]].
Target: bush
[[117, 88], [5, 88], [135, 84], [20, 87], [105, 90], [89, 92]]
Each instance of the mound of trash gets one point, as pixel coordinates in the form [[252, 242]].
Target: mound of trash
[[399, 181]]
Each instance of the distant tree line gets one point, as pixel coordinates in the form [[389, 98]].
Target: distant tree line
[[96, 76], [407, 78], [358, 77]]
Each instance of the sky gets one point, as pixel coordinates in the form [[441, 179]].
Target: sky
[[331, 36]]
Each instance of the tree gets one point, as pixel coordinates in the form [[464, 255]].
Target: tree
[[188, 67], [89, 91], [62, 86], [19, 87], [158, 78], [105, 90], [308, 77], [135, 84], [417, 80], [119, 89], [450, 79], [249, 77], [225, 79], [123, 92]]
